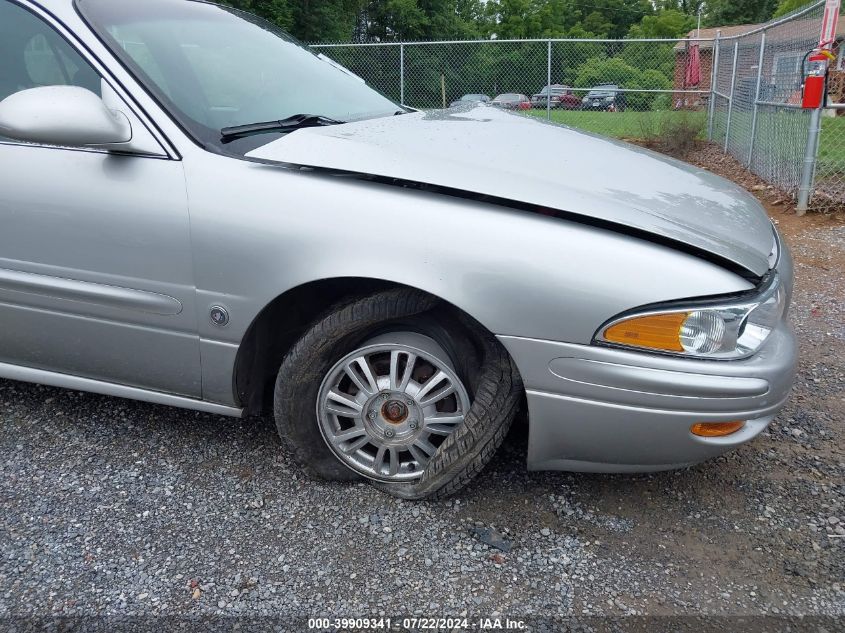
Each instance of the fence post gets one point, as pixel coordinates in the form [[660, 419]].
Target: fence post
[[809, 167], [714, 77], [756, 99], [402, 74], [731, 98], [808, 170], [549, 84]]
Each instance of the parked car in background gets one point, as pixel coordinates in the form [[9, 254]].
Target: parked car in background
[[604, 97], [512, 101], [469, 99], [392, 284], [561, 97]]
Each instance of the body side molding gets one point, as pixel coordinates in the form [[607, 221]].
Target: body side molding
[[89, 292]]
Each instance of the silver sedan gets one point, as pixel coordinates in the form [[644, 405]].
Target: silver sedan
[[197, 211]]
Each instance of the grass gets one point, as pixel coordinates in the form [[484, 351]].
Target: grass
[[644, 125], [628, 124], [832, 146]]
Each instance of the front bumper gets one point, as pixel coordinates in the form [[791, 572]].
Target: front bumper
[[597, 409]]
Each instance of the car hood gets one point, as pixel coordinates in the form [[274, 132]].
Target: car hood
[[485, 151]]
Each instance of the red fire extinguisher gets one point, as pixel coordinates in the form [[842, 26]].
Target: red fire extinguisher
[[815, 79]]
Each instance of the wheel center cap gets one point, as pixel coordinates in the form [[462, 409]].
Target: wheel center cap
[[394, 411]]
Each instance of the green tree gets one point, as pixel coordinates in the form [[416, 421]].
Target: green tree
[[726, 12], [324, 20], [611, 70], [788, 6], [514, 19], [615, 70], [688, 7], [395, 20], [279, 12], [452, 19], [308, 20], [653, 56], [664, 24], [558, 18], [404, 20], [620, 15], [569, 56], [598, 24]]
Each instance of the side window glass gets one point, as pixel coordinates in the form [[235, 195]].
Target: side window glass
[[32, 54], [42, 64]]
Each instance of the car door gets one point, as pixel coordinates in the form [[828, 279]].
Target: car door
[[96, 277]]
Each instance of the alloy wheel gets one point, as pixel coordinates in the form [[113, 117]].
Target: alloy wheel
[[386, 407]]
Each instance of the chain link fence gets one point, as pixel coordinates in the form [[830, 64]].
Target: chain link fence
[[757, 116], [739, 87]]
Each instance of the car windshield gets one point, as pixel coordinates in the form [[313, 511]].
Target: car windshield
[[214, 67], [474, 97], [507, 97]]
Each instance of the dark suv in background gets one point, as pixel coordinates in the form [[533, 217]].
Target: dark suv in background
[[606, 97]]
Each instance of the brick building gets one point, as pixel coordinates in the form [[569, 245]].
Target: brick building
[[781, 77]]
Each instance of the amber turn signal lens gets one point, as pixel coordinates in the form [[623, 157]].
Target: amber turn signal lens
[[656, 331], [716, 429]]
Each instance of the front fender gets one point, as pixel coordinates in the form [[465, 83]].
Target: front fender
[[260, 230]]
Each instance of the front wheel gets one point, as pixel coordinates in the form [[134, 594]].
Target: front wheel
[[398, 389]]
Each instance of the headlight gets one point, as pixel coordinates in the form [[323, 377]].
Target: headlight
[[608, 98], [585, 100], [708, 330]]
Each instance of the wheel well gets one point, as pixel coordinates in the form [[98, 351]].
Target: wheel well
[[279, 325]]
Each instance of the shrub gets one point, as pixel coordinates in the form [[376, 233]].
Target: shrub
[[607, 70], [615, 70], [662, 101], [678, 132], [671, 132]]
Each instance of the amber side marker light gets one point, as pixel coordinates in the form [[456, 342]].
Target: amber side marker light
[[656, 331], [716, 429]]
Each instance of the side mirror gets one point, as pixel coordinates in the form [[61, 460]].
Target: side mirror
[[69, 116]]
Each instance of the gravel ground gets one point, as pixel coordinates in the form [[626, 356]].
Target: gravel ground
[[114, 507]]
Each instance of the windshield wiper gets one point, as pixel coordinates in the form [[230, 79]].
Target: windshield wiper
[[291, 123]]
